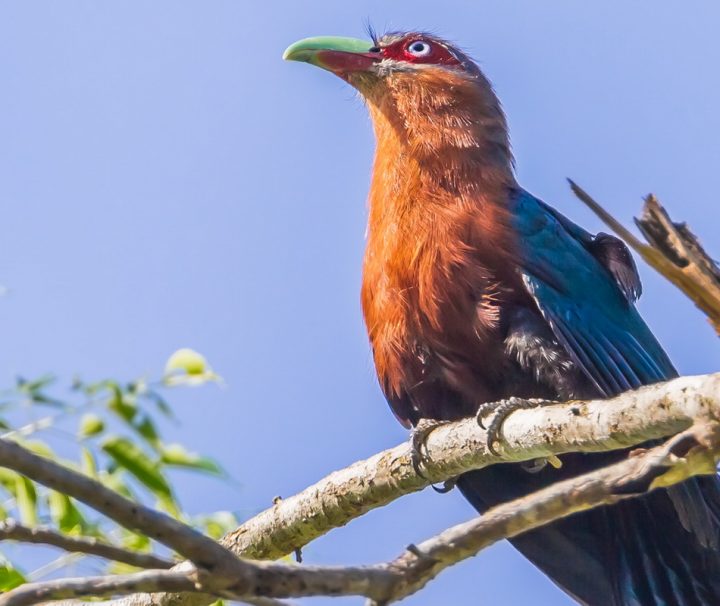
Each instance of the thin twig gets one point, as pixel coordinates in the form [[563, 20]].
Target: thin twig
[[11, 530], [62, 589]]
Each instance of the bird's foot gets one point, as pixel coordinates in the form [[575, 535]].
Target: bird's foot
[[500, 411], [418, 437]]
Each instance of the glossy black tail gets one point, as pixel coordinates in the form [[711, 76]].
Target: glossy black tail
[[635, 553]]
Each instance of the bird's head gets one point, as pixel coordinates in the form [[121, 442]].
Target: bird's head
[[370, 65], [423, 89]]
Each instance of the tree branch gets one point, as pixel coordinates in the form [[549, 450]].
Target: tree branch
[[60, 589], [674, 252], [631, 418], [692, 452], [549, 430], [178, 536], [649, 413], [10, 530]]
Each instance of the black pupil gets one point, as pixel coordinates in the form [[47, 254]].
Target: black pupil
[[418, 47]]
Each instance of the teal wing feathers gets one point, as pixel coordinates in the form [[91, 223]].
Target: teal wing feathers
[[587, 298]]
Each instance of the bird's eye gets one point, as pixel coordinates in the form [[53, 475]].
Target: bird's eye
[[419, 48]]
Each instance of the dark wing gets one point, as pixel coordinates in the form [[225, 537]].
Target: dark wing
[[584, 287]]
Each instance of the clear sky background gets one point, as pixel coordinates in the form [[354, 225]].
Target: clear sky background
[[167, 181]]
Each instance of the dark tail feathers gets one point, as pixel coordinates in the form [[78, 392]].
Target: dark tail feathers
[[635, 553]]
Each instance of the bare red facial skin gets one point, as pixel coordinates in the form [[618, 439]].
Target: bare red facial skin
[[439, 54], [342, 63]]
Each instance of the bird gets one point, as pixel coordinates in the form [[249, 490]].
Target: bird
[[475, 291]]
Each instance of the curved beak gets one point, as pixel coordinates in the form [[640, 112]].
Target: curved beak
[[341, 56]]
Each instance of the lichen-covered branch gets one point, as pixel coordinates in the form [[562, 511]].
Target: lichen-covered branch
[[693, 452], [10, 530], [634, 417], [673, 251]]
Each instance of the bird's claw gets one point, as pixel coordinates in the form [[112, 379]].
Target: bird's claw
[[418, 437], [446, 487], [500, 412]]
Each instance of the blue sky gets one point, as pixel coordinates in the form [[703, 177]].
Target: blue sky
[[167, 181]]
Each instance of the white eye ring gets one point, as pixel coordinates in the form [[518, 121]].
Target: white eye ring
[[419, 48]]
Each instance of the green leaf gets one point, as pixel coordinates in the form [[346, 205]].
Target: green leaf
[[90, 425], [218, 524], [8, 480], [177, 456], [10, 577], [87, 463], [160, 402], [36, 384], [115, 480], [64, 513], [126, 407], [38, 447], [26, 498], [186, 360], [134, 541], [146, 428], [128, 456], [123, 405], [41, 398], [34, 391], [170, 507], [121, 568], [188, 367]]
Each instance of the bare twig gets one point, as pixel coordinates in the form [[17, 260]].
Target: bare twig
[[674, 252], [10, 530], [61, 589]]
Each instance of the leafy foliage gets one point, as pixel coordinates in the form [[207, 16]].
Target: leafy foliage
[[113, 432]]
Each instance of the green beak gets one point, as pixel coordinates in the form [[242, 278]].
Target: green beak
[[338, 55]]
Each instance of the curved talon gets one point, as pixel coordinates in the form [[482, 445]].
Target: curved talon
[[484, 410], [446, 487], [492, 449], [502, 410], [417, 442], [416, 463], [418, 437]]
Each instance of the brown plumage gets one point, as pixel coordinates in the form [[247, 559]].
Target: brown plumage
[[438, 244]]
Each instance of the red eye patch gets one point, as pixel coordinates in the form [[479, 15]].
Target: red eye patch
[[419, 50]]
